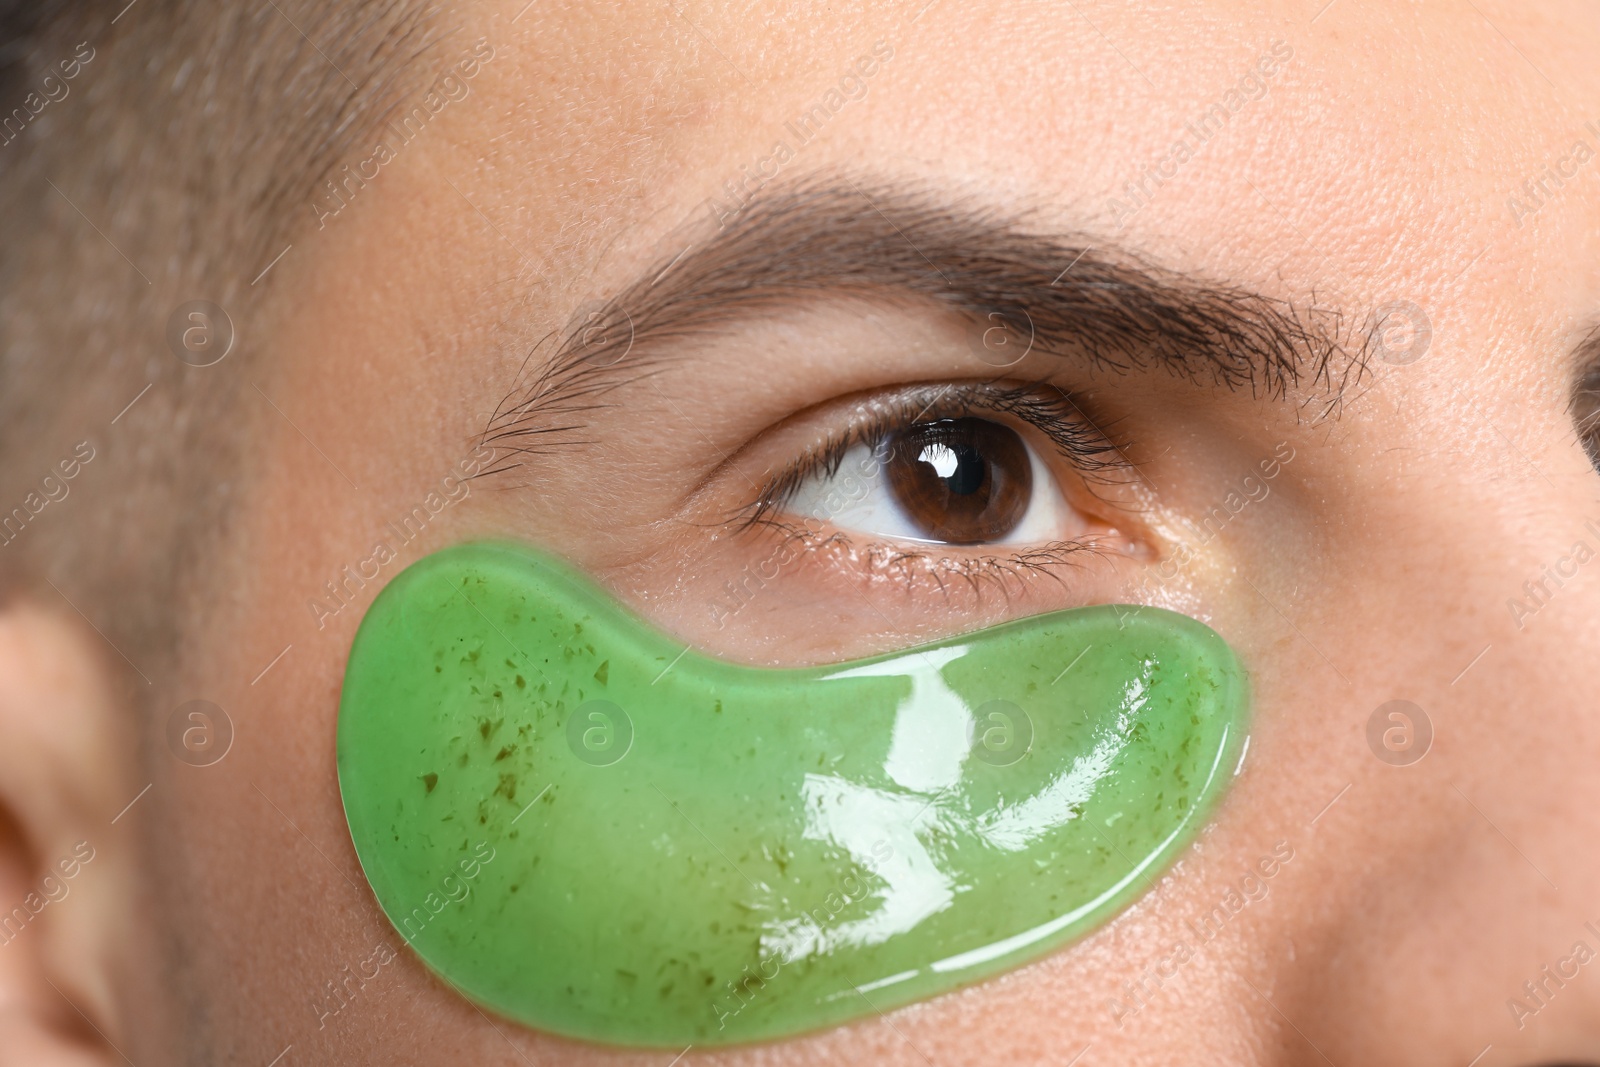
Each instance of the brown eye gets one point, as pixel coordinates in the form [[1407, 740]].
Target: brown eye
[[961, 481]]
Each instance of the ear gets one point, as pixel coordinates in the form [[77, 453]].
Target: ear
[[65, 868]]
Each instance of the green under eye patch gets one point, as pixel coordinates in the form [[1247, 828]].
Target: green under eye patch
[[581, 825]]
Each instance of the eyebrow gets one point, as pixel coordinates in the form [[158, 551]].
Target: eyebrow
[[832, 237]]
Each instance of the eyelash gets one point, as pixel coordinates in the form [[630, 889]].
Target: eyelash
[[1045, 407]]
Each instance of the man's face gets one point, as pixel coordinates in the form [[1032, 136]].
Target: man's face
[[1410, 517]]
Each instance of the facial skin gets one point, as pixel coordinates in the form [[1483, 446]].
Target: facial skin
[[1376, 564]]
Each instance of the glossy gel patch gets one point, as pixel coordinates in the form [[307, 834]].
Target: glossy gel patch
[[581, 824]]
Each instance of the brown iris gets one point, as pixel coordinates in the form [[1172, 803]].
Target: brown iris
[[961, 481]]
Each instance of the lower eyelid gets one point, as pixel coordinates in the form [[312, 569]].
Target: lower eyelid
[[962, 578]]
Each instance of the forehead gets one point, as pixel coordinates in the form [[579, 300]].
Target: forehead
[[1368, 152], [1347, 157]]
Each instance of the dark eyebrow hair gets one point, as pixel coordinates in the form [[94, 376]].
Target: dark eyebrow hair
[[832, 237]]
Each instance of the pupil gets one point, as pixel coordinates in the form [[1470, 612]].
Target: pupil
[[961, 467], [960, 481]]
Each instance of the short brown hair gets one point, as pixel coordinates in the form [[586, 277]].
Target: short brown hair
[[171, 164]]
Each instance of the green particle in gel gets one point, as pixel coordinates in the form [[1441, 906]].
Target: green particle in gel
[[588, 829]]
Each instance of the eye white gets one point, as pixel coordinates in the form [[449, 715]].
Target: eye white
[[857, 498]]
